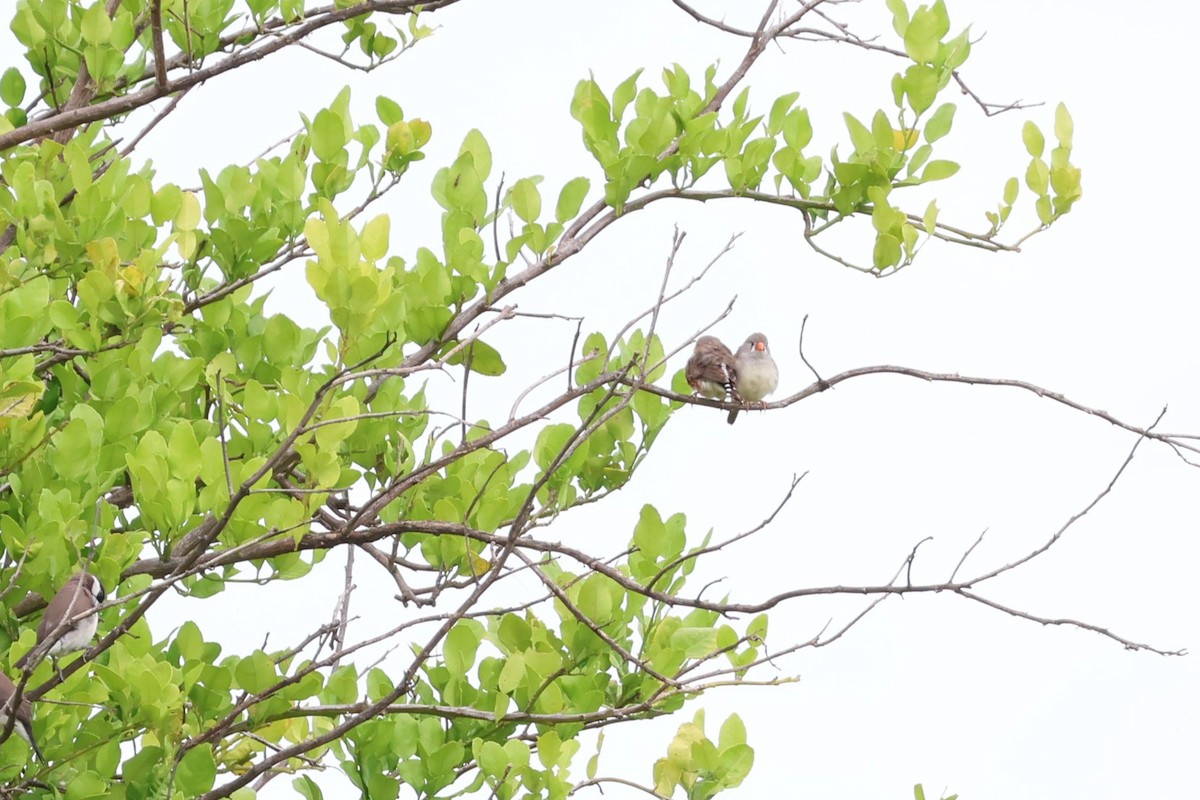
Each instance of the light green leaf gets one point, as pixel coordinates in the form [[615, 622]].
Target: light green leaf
[[938, 170], [12, 87], [389, 110], [1035, 143], [374, 238], [255, 673], [1011, 187], [475, 144], [571, 198], [860, 135], [480, 357], [921, 87], [328, 135], [930, 218], [188, 216], [939, 124], [1037, 177], [921, 38], [779, 110], [899, 16], [736, 763], [197, 770], [887, 251], [307, 788], [96, 26], [733, 732], [526, 200], [1064, 127]]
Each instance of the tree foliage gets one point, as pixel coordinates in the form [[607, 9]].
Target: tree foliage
[[161, 429]]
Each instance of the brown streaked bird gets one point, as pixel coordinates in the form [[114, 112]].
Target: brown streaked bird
[[755, 373], [23, 725], [81, 592], [710, 370]]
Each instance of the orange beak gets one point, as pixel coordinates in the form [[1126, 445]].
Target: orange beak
[[760, 346]]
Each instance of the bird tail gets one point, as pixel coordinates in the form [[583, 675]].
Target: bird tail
[[731, 390], [728, 382], [28, 736]]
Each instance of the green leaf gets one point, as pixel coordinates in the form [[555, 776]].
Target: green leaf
[[1035, 143], [307, 788], [475, 144], [96, 26], [550, 443], [938, 170], [256, 672], [921, 37], [940, 122], [955, 52], [733, 732], [389, 110], [570, 199], [860, 135], [12, 87], [517, 753], [695, 642], [918, 159], [1045, 209], [595, 346], [930, 218], [624, 93], [512, 674], [1011, 187], [649, 535], [779, 110], [342, 686], [328, 135], [1037, 177], [797, 129], [736, 763], [197, 771], [881, 131], [462, 642], [492, 759], [921, 87], [1064, 127], [899, 16], [188, 216], [374, 238], [887, 251], [480, 357], [526, 200]]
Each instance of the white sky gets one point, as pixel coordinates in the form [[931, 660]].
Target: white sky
[[925, 689]]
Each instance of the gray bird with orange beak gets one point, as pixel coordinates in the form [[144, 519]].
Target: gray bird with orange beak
[[755, 373]]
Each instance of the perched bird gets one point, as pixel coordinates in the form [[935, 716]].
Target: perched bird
[[81, 592], [24, 722], [710, 369], [755, 373]]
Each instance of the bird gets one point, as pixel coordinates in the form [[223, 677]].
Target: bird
[[710, 369], [24, 722], [755, 373], [81, 592]]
